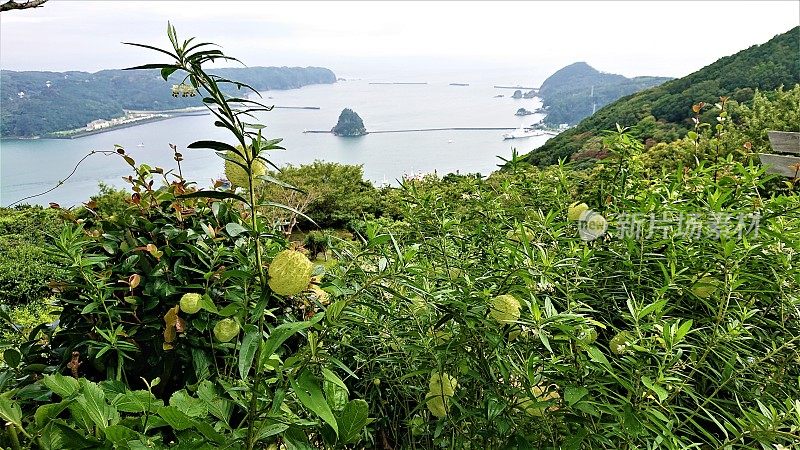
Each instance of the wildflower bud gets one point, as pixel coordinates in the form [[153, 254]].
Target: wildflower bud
[[290, 273], [226, 329], [190, 303], [505, 309]]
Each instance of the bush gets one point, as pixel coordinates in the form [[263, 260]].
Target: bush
[[25, 268]]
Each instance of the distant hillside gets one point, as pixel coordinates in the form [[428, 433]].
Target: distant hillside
[[665, 110], [570, 94], [37, 103]]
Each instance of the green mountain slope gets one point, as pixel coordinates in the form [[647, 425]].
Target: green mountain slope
[[572, 93], [37, 103], [664, 111]]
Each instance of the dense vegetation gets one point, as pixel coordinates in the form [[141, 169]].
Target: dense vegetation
[[663, 113], [571, 93], [349, 124], [647, 301], [56, 101]]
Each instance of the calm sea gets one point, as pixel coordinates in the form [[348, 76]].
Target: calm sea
[[32, 166]]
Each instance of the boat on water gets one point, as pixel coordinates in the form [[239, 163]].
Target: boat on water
[[141, 145], [521, 133]]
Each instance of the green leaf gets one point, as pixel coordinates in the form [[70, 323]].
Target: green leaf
[[45, 413], [597, 356], [282, 332], [273, 180], [250, 343], [136, 402], [307, 389], [175, 418], [219, 195], [58, 436], [214, 145], [167, 71], [653, 307], [64, 387], [658, 390], [119, 435], [93, 402], [192, 407], [573, 394], [234, 229], [217, 406], [12, 357], [333, 378], [266, 431], [682, 331], [10, 411], [352, 420]]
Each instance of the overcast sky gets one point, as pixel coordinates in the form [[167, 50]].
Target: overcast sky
[[414, 39]]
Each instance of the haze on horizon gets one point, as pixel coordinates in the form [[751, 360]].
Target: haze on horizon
[[411, 41]]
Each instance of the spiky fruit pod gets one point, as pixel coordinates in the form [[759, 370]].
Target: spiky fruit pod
[[190, 303], [620, 343], [237, 175], [290, 273], [437, 404], [541, 400], [442, 384], [505, 309], [576, 210], [226, 329]]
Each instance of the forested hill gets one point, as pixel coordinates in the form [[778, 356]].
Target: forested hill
[[664, 112], [571, 94], [37, 103]]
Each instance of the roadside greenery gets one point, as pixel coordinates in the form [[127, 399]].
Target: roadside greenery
[[462, 313]]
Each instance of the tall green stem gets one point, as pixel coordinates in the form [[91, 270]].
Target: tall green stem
[[262, 279]]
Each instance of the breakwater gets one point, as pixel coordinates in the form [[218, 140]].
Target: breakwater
[[517, 87], [415, 130]]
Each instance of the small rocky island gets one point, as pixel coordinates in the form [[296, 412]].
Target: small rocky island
[[523, 112], [349, 124], [517, 94]]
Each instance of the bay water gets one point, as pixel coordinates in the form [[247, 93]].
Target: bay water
[[28, 167]]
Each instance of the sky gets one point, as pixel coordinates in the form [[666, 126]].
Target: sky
[[401, 41]]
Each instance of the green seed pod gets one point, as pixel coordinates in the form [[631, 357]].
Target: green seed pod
[[442, 384], [437, 404], [576, 210], [190, 303], [705, 287], [226, 329], [419, 307], [290, 273], [505, 309], [237, 175], [620, 343]]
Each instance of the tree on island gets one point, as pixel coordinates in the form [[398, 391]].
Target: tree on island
[[349, 124]]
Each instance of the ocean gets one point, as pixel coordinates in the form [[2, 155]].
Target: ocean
[[28, 167]]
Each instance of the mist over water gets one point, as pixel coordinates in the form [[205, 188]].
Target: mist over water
[[28, 167]]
